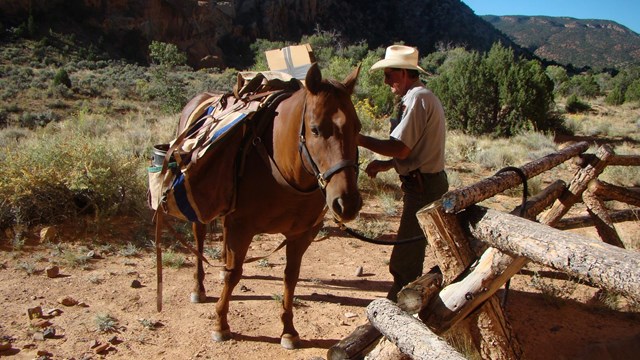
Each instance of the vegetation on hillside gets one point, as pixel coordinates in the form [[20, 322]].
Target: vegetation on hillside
[[77, 128], [576, 43]]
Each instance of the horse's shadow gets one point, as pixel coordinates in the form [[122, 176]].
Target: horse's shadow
[[304, 344]]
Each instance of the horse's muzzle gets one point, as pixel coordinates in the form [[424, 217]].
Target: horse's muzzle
[[346, 207]]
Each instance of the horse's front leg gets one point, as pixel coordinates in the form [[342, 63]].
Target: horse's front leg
[[236, 245], [199, 294], [296, 247]]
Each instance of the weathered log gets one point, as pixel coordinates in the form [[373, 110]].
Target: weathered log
[[459, 199], [584, 221], [410, 335], [419, 292], [355, 346], [604, 225], [618, 160], [447, 242], [577, 186], [609, 267], [542, 200], [459, 299], [452, 250], [606, 191]]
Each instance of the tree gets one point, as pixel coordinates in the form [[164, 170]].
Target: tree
[[166, 54], [494, 93]]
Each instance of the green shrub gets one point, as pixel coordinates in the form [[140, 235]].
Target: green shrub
[[494, 93], [615, 96], [166, 54], [633, 91], [53, 178], [62, 78], [575, 105]]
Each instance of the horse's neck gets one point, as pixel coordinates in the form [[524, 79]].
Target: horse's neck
[[286, 139]]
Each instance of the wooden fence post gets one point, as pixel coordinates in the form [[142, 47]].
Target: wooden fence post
[[577, 186], [451, 248], [604, 225]]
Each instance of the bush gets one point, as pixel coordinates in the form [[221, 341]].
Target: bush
[[575, 105], [62, 78], [633, 91], [166, 54], [494, 93], [615, 97], [57, 177]]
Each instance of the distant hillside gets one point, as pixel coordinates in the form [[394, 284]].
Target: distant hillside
[[594, 43], [218, 33]]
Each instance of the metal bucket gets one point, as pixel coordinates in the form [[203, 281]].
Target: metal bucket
[[158, 154]]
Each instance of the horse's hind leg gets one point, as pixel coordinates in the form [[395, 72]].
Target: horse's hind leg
[[296, 247], [199, 294], [236, 245]]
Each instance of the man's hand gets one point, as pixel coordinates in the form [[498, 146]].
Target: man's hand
[[377, 166]]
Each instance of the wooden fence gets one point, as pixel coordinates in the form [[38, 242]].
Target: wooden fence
[[478, 250]]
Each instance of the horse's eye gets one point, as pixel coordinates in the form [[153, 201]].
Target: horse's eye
[[315, 131]]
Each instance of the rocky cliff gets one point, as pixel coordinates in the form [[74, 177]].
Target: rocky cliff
[[218, 33]]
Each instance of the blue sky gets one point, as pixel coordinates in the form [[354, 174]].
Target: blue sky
[[624, 12]]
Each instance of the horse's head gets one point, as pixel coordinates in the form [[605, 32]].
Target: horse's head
[[328, 141]]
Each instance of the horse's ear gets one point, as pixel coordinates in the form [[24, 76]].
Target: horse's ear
[[313, 79], [350, 81]]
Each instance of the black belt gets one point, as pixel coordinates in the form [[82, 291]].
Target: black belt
[[415, 173]]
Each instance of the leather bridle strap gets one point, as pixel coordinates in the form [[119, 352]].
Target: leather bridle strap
[[322, 178]]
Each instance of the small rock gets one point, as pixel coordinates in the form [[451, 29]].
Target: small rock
[[359, 271], [114, 340], [34, 312], [83, 304], [54, 312], [43, 354], [38, 336], [101, 348], [52, 271], [94, 344], [4, 346], [136, 284], [244, 289], [350, 315], [67, 301], [49, 333]]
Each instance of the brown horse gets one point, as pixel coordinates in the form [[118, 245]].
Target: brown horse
[[308, 164]]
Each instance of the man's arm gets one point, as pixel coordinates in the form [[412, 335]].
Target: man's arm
[[388, 147]]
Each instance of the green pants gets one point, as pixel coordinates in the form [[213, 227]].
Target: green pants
[[419, 190]]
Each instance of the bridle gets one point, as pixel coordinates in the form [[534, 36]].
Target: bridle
[[321, 177]]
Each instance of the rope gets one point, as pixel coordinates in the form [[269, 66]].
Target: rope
[[364, 238]]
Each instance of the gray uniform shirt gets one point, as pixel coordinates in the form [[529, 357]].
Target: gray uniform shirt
[[422, 129]]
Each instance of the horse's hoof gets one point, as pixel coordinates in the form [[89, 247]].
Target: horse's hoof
[[198, 297], [221, 335], [290, 342]]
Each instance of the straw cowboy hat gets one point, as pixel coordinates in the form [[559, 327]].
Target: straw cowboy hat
[[399, 56]]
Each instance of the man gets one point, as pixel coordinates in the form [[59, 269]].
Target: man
[[416, 148]]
